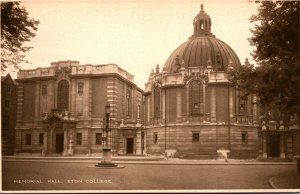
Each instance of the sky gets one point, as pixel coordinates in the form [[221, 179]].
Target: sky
[[136, 35]]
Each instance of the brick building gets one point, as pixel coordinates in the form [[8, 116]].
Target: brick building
[[61, 109], [8, 114], [191, 107]]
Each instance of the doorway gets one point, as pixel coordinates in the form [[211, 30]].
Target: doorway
[[274, 146], [129, 145], [59, 143]]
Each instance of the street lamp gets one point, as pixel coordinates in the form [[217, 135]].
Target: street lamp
[[106, 150], [107, 119]]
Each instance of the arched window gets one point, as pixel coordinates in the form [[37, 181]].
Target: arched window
[[63, 95], [156, 102], [196, 98]]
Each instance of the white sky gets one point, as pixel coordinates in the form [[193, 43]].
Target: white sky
[[136, 35]]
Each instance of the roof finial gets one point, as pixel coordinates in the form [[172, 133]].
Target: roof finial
[[201, 6]]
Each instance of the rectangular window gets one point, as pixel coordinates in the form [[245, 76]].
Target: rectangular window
[[28, 139], [41, 138], [44, 90], [196, 137], [98, 138], [80, 88], [78, 138], [5, 122], [155, 138], [244, 137]]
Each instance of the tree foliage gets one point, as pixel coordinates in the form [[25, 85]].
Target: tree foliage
[[16, 29], [276, 78]]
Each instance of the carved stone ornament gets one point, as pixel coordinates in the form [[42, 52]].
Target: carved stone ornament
[[63, 72]]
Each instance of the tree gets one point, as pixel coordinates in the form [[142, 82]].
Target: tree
[[16, 29], [276, 78]]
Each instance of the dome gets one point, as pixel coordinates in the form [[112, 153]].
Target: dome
[[201, 48]]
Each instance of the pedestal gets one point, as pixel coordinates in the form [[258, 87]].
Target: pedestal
[[265, 155], [106, 159]]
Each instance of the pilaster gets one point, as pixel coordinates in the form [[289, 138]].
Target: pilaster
[[178, 105], [138, 142], [213, 104]]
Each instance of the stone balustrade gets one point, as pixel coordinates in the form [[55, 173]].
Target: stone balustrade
[[75, 69]]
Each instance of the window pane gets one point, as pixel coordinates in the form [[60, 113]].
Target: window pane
[[78, 138], [28, 139], [195, 137], [98, 138], [63, 95], [196, 97], [41, 138], [155, 138]]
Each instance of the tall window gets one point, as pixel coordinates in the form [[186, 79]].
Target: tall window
[[196, 98], [80, 88], [98, 138], [63, 95], [156, 102], [244, 137], [78, 138], [155, 138], [44, 89], [242, 105], [41, 138], [28, 139]]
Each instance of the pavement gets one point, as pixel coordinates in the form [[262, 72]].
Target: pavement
[[276, 182]]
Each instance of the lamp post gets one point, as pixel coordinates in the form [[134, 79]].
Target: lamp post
[[107, 119], [106, 149]]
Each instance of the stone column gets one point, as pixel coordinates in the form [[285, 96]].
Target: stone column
[[145, 142], [148, 109], [70, 150], [254, 109], [282, 153], [89, 140], [138, 142], [178, 105], [231, 107], [45, 144], [50, 141], [213, 105], [65, 152], [163, 104], [265, 155]]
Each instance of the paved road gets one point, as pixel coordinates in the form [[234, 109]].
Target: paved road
[[78, 176]]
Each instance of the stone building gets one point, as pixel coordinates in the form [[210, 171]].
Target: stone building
[[61, 109], [8, 114], [190, 106], [279, 138]]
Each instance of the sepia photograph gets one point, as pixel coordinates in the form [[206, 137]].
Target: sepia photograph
[[133, 96]]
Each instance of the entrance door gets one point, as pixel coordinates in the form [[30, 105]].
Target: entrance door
[[59, 143], [274, 146], [129, 145]]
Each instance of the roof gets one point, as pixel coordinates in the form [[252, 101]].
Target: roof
[[198, 51]]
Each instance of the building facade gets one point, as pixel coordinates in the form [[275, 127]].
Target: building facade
[[61, 109], [188, 108], [8, 114], [191, 107]]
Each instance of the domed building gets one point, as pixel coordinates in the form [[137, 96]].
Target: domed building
[[190, 106]]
